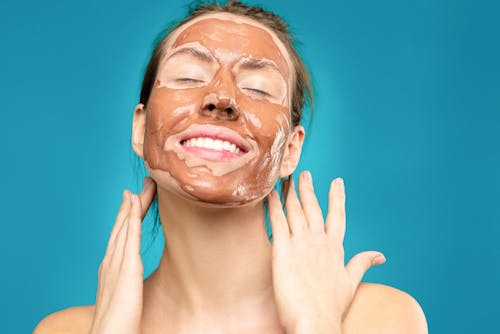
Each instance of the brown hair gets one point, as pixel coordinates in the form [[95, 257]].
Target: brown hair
[[301, 87]]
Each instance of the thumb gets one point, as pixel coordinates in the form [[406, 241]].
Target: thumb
[[361, 262]]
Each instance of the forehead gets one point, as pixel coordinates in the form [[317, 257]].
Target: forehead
[[234, 34]]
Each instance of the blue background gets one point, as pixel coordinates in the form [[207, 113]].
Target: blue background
[[407, 96]]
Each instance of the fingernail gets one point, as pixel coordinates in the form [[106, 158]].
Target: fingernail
[[146, 182], [339, 183], [379, 259], [125, 195], [132, 199]]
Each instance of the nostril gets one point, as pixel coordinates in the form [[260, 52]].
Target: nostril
[[229, 111], [211, 107]]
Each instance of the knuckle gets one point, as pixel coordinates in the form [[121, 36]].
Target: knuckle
[[101, 269], [341, 251], [340, 197], [340, 214]]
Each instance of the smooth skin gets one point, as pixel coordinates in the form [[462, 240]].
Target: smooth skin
[[313, 288], [314, 291], [120, 288]]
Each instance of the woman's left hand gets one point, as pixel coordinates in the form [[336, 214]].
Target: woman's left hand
[[312, 287]]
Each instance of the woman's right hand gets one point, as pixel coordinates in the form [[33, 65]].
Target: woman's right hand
[[119, 295]]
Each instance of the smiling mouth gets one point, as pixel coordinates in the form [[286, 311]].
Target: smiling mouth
[[212, 148], [214, 144]]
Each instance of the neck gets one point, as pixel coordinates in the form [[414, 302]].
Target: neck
[[215, 261]]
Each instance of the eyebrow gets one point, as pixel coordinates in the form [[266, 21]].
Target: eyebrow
[[257, 64], [198, 53], [247, 63]]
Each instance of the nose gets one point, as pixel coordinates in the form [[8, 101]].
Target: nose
[[220, 103]]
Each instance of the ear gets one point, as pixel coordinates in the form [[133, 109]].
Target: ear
[[293, 151], [138, 128]]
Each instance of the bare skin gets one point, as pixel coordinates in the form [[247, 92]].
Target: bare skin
[[218, 272], [375, 308]]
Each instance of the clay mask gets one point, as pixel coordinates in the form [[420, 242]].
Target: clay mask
[[218, 118]]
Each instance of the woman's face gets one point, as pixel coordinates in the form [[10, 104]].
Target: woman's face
[[218, 121]]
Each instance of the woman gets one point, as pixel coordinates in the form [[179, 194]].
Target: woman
[[217, 125]]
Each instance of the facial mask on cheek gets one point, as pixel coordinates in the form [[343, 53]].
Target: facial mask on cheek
[[270, 167], [220, 183], [177, 120]]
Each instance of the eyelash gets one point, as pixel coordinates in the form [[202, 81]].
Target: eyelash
[[188, 80], [258, 91]]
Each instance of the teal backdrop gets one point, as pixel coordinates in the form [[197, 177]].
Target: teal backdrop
[[407, 112]]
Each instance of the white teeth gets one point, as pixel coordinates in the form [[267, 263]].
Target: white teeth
[[217, 144], [208, 142]]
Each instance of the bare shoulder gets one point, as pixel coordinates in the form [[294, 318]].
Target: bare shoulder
[[72, 320], [379, 308], [376, 308]]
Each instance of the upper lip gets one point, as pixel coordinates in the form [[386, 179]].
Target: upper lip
[[215, 132]]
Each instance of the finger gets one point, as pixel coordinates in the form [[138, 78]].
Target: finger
[[121, 237], [279, 225], [100, 282], [294, 214], [361, 262], [115, 257], [147, 195], [120, 218], [335, 220], [133, 243], [310, 204]]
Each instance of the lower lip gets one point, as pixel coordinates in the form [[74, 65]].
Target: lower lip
[[209, 154]]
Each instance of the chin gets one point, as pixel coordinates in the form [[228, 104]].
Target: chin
[[209, 199], [224, 205], [204, 195]]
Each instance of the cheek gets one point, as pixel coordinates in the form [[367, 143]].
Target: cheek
[[271, 125], [171, 111], [274, 155], [269, 122], [167, 112]]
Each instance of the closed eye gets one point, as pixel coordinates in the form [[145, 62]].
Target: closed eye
[[258, 91], [188, 80]]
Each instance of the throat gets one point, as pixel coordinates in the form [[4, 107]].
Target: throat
[[214, 260]]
